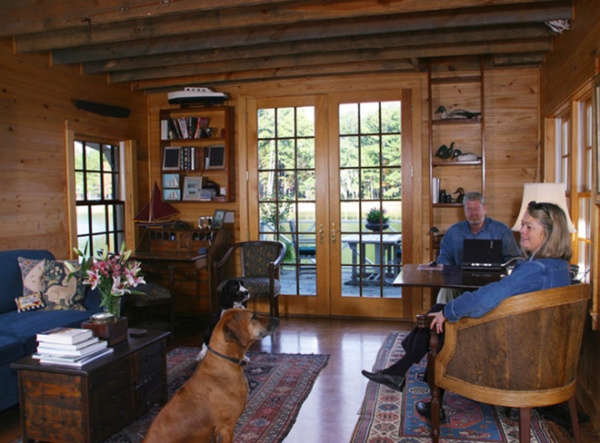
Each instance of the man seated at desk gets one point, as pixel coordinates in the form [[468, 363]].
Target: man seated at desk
[[477, 226]]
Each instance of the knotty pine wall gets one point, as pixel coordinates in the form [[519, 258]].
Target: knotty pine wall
[[573, 63], [35, 103]]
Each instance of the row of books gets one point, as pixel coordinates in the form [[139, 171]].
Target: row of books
[[185, 127], [70, 347]]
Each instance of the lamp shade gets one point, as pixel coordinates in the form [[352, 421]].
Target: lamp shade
[[546, 193]]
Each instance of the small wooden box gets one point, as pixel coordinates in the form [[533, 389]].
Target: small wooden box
[[114, 332]]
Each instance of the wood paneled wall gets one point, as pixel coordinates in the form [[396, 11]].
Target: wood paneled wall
[[35, 104], [573, 64]]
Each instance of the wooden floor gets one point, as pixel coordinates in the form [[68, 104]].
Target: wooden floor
[[330, 412]]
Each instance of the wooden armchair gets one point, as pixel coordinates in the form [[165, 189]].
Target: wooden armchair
[[259, 269], [523, 354]]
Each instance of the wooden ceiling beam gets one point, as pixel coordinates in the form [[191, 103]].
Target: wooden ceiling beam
[[318, 60], [170, 84], [209, 22], [303, 32], [330, 45], [33, 16]]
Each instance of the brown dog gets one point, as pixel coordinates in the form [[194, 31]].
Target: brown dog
[[206, 408]]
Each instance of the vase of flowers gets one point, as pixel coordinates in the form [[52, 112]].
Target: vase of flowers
[[113, 274], [377, 220]]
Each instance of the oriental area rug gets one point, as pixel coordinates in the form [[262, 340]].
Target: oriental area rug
[[390, 416], [279, 384]]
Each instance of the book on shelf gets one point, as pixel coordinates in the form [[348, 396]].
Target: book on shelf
[[58, 352], [72, 347], [64, 335], [73, 361]]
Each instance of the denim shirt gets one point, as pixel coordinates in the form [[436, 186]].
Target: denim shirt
[[451, 248], [527, 276]]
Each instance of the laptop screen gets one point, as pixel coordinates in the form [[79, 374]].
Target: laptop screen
[[482, 254]]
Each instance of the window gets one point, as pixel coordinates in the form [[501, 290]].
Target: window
[[98, 195]]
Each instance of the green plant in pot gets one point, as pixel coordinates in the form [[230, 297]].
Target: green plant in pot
[[377, 219]]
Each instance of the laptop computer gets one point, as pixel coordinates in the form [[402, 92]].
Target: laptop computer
[[482, 255]]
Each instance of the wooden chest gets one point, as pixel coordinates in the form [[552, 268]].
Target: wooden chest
[[88, 404]]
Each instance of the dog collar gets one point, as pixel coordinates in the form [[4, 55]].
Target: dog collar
[[237, 361]]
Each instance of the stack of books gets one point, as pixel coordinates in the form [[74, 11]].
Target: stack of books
[[70, 347]]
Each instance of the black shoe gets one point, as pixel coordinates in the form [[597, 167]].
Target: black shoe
[[395, 382], [424, 408]]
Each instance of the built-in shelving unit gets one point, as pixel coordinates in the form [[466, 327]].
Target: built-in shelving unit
[[196, 154], [454, 92]]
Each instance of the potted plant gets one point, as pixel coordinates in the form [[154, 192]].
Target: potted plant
[[377, 220]]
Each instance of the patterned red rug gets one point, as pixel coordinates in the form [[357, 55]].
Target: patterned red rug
[[390, 416], [279, 384]]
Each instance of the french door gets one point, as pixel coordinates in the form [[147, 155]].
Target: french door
[[317, 165]]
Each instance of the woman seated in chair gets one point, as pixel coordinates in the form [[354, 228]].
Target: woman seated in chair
[[546, 246]]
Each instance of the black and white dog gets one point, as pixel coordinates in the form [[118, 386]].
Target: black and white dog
[[232, 295]]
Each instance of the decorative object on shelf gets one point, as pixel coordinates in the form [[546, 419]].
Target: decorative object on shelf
[[377, 220], [157, 211], [444, 152], [218, 219], [190, 96], [191, 188], [458, 156], [113, 275], [456, 114], [461, 195]]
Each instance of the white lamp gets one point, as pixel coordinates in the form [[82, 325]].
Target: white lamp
[[547, 193]]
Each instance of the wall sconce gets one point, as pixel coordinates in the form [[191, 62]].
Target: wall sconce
[[544, 192]]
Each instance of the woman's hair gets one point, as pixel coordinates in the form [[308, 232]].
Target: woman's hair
[[554, 221]]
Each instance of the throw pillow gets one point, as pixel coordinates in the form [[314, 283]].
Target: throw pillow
[[32, 273], [30, 302], [60, 291]]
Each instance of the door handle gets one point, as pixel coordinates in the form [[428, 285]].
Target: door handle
[[321, 233], [333, 233]]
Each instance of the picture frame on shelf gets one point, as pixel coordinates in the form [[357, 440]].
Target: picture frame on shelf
[[218, 219], [171, 194], [191, 188], [171, 158], [215, 157], [170, 181]]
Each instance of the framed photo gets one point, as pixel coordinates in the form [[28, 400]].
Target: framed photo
[[170, 181], [191, 188], [171, 158], [171, 194], [215, 157], [218, 218]]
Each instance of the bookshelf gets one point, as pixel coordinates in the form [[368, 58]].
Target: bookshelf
[[196, 154]]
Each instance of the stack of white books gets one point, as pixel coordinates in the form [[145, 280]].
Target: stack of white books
[[70, 347]]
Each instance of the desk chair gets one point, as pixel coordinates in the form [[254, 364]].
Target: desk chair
[[523, 354], [259, 269]]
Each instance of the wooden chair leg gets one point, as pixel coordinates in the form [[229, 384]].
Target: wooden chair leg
[[574, 419], [524, 424]]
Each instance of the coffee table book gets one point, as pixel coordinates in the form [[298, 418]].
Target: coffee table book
[[60, 352], [72, 361], [64, 335]]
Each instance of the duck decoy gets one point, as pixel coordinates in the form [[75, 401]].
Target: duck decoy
[[456, 114], [461, 195], [444, 152]]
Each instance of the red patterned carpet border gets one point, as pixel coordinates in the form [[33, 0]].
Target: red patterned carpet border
[[388, 416]]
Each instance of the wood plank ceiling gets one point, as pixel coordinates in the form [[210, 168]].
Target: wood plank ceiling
[[158, 45]]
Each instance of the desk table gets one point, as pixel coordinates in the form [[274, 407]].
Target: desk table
[[449, 277]]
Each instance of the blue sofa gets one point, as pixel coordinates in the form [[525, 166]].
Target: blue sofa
[[18, 329]]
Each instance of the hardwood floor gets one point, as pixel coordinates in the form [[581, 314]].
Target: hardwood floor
[[330, 412]]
